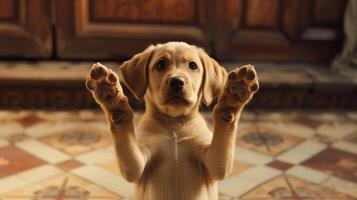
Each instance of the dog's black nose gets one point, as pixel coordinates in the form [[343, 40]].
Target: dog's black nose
[[176, 84]]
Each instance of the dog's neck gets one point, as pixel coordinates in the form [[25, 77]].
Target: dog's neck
[[179, 125]]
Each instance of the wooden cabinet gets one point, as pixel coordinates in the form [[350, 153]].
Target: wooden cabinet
[[228, 29], [279, 29], [25, 29], [120, 28]]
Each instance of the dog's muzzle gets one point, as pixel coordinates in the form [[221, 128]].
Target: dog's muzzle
[[176, 84]]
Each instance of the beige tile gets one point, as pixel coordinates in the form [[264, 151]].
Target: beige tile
[[9, 129], [336, 130], [61, 187], [48, 128], [259, 174], [238, 185], [106, 179], [39, 173], [307, 174], [338, 184], [295, 129], [42, 151], [11, 183], [302, 152], [3, 143], [235, 186], [8, 115], [345, 146], [251, 157], [100, 155]]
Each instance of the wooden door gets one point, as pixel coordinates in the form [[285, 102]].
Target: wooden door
[[25, 28], [279, 29], [120, 28]]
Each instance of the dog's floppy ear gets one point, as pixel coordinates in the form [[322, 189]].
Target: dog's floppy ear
[[213, 79], [134, 72]]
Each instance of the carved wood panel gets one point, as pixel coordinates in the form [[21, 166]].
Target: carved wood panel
[[143, 11], [113, 29], [7, 10], [25, 29], [279, 29]]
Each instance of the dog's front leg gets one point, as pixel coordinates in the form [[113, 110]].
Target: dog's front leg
[[107, 91], [242, 83]]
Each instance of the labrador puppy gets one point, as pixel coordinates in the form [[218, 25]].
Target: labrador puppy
[[171, 154]]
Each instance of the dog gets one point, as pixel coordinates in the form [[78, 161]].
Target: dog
[[171, 154]]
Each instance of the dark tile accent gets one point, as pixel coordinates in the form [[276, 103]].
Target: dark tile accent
[[69, 165], [280, 165], [29, 120], [335, 162], [15, 160]]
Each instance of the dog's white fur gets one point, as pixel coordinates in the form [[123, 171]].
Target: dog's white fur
[[172, 154]]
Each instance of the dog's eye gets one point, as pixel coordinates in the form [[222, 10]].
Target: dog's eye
[[160, 65], [192, 66]]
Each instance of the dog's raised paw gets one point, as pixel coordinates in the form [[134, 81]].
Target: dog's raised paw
[[242, 83], [103, 82]]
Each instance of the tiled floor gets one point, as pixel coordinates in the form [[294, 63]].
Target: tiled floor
[[279, 155]]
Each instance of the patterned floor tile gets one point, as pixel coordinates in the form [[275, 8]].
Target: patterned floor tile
[[286, 187], [29, 120], [283, 166], [39, 173], [275, 116], [10, 183], [338, 184], [65, 186], [315, 151], [105, 179], [4, 143], [237, 185], [79, 139], [266, 140], [14, 160], [42, 151], [295, 129], [307, 174], [97, 156], [350, 147], [335, 162], [302, 152], [11, 131], [337, 130], [352, 138], [49, 128], [251, 157], [69, 165], [307, 121]]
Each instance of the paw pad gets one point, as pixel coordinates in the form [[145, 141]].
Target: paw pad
[[103, 82], [241, 85]]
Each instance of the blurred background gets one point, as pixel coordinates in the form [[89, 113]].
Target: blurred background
[[299, 132]]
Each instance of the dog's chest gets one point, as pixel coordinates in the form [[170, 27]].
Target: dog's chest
[[176, 158]]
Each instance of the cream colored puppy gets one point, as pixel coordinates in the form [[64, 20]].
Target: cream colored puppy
[[172, 154]]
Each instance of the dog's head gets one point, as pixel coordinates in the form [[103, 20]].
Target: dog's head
[[174, 77]]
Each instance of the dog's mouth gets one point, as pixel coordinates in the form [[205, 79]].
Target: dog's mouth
[[176, 100]]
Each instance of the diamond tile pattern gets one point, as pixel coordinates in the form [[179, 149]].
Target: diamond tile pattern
[[279, 155]]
